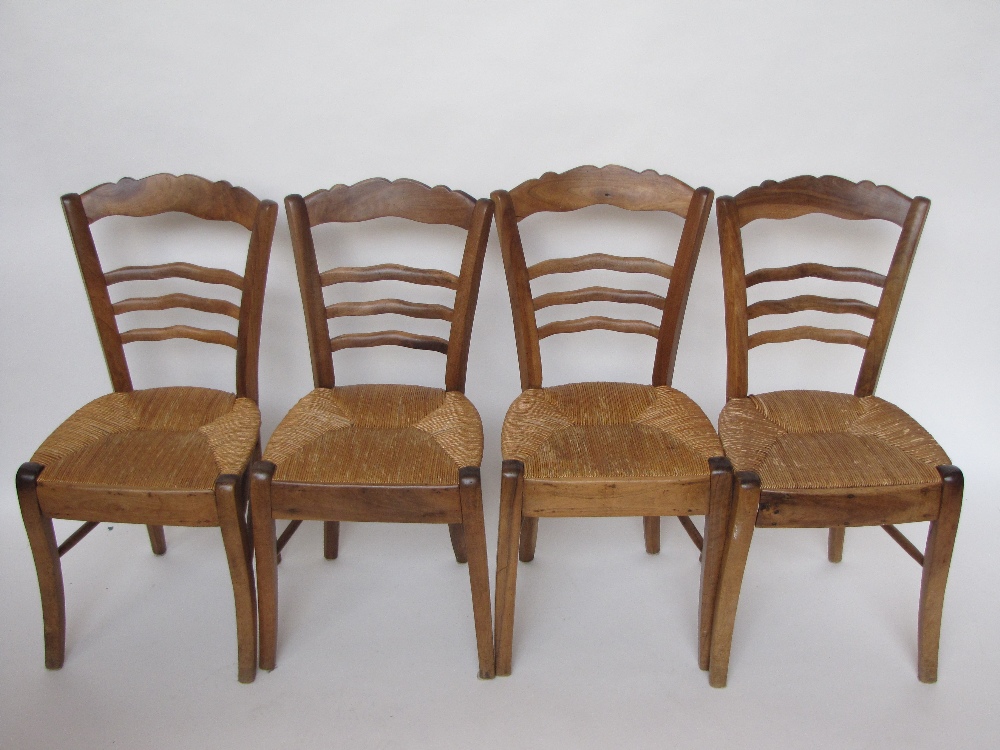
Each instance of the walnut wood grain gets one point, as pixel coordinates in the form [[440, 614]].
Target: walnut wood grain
[[816, 271], [860, 506], [389, 338], [349, 502], [827, 335], [171, 301], [811, 302], [235, 539], [892, 295], [529, 356], [179, 332], [403, 198], [76, 537], [216, 201], [687, 496], [680, 285], [599, 294], [735, 289], [252, 301], [508, 541], [389, 307], [174, 271], [611, 185], [467, 296], [474, 527], [598, 322], [390, 272], [830, 195], [600, 261], [124, 505], [265, 561], [311, 289]]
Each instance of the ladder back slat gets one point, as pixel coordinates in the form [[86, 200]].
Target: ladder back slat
[[598, 322], [811, 302], [389, 306], [170, 301], [600, 261], [816, 271], [175, 271], [390, 272], [389, 338], [179, 332], [827, 335], [599, 294]]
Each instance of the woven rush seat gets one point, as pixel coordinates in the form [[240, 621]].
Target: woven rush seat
[[608, 430], [798, 440], [377, 435], [179, 438]]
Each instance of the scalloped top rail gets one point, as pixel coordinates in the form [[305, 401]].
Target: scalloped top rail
[[377, 198], [831, 195], [611, 185], [161, 193]]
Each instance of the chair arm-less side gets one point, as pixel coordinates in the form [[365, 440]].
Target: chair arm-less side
[[821, 459], [162, 456], [378, 452], [605, 449]]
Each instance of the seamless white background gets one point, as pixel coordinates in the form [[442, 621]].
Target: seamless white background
[[377, 649]]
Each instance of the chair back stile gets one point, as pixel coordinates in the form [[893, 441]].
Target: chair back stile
[[380, 198], [795, 197], [580, 188], [162, 193]]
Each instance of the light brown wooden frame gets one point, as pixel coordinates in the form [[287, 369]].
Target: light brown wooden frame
[[226, 505], [523, 500], [834, 508], [459, 505]]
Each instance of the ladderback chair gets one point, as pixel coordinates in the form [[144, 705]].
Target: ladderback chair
[[605, 449], [817, 458], [161, 456], [377, 452]]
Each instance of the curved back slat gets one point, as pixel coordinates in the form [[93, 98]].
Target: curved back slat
[[611, 185], [798, 196], [378, 198], [600, 261], [214, 201], [161, 193], [829, 195], [179, 332], [588, 186], [390, 272]]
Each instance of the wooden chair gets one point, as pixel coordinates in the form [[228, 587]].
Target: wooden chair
[[605, 449], [820, 459], [161, 456], [395, 453]]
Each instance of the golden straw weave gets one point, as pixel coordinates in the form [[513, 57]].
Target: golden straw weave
[[613, 430], [157, 439], [816, 439], [379, 435]]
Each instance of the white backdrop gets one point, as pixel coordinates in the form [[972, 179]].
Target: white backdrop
[[283, 98]]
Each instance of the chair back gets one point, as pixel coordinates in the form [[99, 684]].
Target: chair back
[[374, 199], [162, 193], [589, 186], [795, 197]]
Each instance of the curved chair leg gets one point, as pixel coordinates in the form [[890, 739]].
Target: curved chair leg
[[470, 492], [457, 533], [157, 540], [937, 561], [529, 536], [42, 538], [265, 549], [511, 495], [742, 518], [720, 494], [651, 530], [234, 538], [331, 539], [835, 544]]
